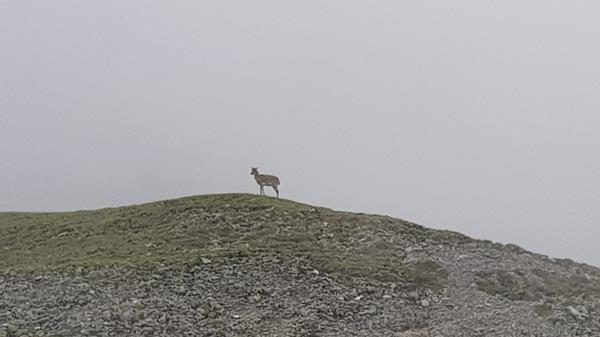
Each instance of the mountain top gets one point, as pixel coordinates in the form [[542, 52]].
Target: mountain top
[[244, 265]]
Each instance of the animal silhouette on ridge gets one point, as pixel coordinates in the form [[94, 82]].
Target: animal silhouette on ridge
[[265, 180]]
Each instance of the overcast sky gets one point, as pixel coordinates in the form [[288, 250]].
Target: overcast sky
[[477, 116]]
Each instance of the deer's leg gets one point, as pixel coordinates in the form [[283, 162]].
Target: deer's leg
[[276, 190], [262, 190]]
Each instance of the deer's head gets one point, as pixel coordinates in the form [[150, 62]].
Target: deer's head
[[254, 171]]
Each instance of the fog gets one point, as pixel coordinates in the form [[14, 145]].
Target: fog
[[476, 116]]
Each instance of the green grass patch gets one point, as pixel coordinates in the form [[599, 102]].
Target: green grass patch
[[543, 310], [214, 227], [535, 284]]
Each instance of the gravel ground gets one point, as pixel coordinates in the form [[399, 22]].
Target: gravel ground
[[240, 297]]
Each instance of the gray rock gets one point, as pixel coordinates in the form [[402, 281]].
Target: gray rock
[[580, 314]]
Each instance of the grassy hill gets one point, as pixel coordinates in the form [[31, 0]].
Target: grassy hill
[[207, 228], [249, 265]]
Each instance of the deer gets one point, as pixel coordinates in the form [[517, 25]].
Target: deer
[[265, 180]]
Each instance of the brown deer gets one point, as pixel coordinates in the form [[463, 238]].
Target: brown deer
[[265, 180]]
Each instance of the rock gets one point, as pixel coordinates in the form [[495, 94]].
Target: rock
[[369, 311], [581, 314], [425, 303], [254, 298], [414, 295]]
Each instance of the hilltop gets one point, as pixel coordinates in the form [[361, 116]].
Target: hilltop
[[246, 265]]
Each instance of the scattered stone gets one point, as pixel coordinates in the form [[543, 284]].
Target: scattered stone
[[581, 314], [485, 289], [370, 310]]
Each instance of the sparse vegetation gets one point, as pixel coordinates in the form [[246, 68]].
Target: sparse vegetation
[[188, 230], [534, 285], [543, 310], [239, 264]]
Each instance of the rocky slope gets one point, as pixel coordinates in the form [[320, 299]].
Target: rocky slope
[[243, 265]]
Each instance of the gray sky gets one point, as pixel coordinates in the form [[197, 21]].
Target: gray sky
[[476, 116]]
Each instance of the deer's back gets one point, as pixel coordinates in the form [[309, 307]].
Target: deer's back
[[265, 179]]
